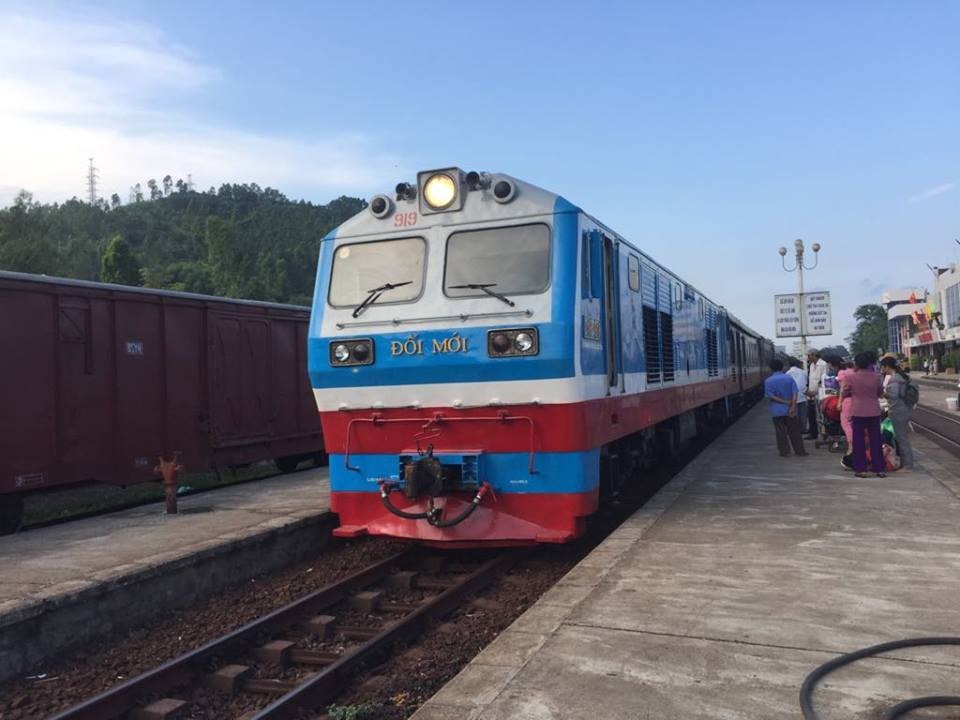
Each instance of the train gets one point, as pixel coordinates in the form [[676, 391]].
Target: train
[[101, 380], [490, 362]]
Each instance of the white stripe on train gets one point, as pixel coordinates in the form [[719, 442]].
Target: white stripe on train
[[486, 394]]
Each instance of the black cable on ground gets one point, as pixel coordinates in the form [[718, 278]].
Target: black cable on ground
[[806, 691]]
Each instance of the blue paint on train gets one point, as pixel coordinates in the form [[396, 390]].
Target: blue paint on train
[[421, 357], [556, 472]]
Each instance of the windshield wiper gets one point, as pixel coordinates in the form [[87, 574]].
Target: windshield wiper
[[486, 288], [374, 295]]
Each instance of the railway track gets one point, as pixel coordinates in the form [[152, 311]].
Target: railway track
[[298, 657], [939, 426]]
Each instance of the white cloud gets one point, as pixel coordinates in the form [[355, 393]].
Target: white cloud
[[931, 192], [74, 88]]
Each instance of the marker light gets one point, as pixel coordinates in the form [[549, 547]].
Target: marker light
[[380, 206], [361, 351], [514, 342], [500, 342], [504, 191], [349, 353], [439, 191]]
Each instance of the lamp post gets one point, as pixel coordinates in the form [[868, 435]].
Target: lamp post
[[799, 267]]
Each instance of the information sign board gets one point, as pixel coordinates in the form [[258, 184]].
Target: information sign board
[[807, 314], [787, 318], [816, 314]]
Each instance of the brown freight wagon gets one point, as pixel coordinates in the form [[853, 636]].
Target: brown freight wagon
[[100, 380]]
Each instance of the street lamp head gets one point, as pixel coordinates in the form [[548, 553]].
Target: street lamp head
[[782, 251], [798, 244], [816, 247]]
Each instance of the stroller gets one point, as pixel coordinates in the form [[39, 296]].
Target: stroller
[[829, 431]]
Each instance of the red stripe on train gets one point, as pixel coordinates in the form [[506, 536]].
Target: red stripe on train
[[503, 519], [556, 428]]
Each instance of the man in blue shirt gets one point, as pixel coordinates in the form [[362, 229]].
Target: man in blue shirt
[[781, 390]]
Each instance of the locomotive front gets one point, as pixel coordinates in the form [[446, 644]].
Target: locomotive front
[[441, 352]]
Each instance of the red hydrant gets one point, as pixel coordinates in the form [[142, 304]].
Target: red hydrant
[[168, 469]]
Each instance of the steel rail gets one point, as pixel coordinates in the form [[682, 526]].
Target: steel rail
[[951, 443], [120, 699], [324, 685]]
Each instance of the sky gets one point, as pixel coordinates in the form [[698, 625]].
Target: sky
[[707, 133]]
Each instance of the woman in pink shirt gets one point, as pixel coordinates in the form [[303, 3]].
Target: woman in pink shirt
[[861, 390], [846, 416]]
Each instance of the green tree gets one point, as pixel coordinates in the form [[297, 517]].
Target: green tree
[[834, 351], [240, 240], [226, 259], [117, 264], [871, 330]]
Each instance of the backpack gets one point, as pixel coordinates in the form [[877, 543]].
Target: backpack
[[911, 394]]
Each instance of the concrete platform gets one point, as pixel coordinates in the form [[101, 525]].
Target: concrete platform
[[741, 576], [64, 584]]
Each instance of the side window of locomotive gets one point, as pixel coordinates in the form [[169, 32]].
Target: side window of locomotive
[[633, 272], [510, 260], [358, 268]]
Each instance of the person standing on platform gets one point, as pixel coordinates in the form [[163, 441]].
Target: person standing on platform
[[862, 389], [902, 398], [781, 390], [800, 378], [816, 369]]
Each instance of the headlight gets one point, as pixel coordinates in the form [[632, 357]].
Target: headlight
[[523, 342], [439, 191], [513, 343], [345, 353]]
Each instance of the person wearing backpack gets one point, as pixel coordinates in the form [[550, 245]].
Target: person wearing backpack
[[902, 395]]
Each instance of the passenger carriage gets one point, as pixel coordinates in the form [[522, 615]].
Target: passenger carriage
[[488, 361]]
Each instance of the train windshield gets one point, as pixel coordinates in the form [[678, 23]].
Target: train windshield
[[358, 268], [511, 260]]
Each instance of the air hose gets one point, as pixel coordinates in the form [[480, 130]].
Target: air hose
[[385, 490], [898, 711], [432, 515]]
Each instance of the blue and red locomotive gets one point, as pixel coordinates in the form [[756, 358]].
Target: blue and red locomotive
[[489, 360]]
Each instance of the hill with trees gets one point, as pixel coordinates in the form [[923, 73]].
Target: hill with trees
[[239, 241]]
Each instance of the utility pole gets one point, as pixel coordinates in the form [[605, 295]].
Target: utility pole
[[189, 182], [92, 183], [799, 268]]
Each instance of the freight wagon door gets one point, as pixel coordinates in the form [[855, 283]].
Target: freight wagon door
[[239, 380]]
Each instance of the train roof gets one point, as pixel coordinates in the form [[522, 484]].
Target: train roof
[[151, 292], [530, 201]]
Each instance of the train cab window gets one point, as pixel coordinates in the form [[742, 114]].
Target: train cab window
[[358, 268], [633, 272], [509, 260]]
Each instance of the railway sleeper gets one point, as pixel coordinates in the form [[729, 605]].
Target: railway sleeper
[[163, 709], [435, 583], [269, 686], [399, 607], [366, 601], [358, 633], [322, 625]]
